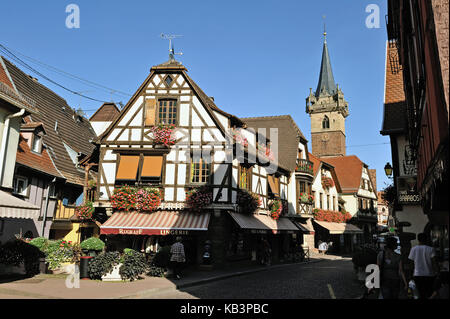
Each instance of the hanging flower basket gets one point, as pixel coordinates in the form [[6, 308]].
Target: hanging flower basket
[[85, 212], [163, 134], [199, 198], [248, 202], [276, 209], [306, 198]]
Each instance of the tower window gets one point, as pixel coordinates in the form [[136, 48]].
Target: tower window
[[326, 122]]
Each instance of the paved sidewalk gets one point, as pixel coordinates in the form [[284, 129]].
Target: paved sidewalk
[[54, 286]]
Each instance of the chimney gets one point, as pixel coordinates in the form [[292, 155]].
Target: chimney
[[373, 177]]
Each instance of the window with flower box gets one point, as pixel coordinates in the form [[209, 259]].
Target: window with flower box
[[167, 111], [200, 171], [139, 169]]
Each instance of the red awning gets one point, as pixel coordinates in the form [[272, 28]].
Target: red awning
[[157, 223]]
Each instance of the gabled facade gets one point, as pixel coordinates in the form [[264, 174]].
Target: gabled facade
[[47, 173], [357, 193], [210, 147]]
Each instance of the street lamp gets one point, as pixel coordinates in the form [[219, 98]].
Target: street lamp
[[388, 170]]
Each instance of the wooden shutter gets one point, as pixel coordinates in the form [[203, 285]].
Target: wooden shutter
[[274, 184], [150, 112], [152, 166], [128, 168]]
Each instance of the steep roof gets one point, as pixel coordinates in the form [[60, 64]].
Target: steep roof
[[76, 134], [394, 113], [106, 113], [40, 162], [288, 133], [348, 170], [326, 78]]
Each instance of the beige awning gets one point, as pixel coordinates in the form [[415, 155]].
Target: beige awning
[[13, 207], [340, 228], [261, 222], [306, 227]]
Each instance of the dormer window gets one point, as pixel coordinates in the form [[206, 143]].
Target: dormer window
[[36, 145]]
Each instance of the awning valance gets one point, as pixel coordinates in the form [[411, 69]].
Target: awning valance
[[13, 207], [340, 228], [263, 223], [306, 227], [157, 223]]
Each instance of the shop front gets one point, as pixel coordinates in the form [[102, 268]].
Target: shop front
[[342, 236], [250, 232], [149, 233]]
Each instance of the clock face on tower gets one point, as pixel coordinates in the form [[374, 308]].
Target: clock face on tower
[[325, 137]]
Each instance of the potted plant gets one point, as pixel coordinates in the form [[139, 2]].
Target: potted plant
[[248, 202], [85, 212], [105, 266], [199, 198], [92, 246], [276, 209], [133, 265], [163, 135], [306, 198]]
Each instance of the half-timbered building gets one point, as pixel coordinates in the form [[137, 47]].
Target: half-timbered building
[[205, 146]]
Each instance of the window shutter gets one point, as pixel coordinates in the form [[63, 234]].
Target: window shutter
[[150, 112], [128, 168], [152, 166]]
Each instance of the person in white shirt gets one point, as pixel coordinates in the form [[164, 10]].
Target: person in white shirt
[[425, 266]]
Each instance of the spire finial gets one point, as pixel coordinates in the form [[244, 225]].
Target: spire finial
[[324, 29], [172, 53]]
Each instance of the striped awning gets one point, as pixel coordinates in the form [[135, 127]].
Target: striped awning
[[13, 207], [306, 228], [157, 223], [263, 223], [339, 228]]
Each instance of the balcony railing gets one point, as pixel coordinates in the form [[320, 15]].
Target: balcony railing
[[64, 212], [305, 209], [304, 166]]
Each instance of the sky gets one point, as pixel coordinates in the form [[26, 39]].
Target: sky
[[257, 58]]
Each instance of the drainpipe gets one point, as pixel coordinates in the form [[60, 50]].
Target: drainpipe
[[44, 218], [4, 143]]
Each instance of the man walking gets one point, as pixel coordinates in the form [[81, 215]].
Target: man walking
[[425, 266], [177, 257]]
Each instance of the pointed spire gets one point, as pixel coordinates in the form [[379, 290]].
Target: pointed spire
[[326, 79]]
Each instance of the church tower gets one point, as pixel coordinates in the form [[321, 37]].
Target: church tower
[[327, 109]]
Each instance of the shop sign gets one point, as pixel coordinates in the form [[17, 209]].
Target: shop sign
[[130, 231], [407, 191], [166, 232]]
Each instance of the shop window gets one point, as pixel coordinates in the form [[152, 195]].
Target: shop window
[[245, 177], [167, 112], [20, 185], [200, 171]]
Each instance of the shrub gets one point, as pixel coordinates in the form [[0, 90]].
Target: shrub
[[103, 263], [58, 252], [92, 243], [17, 251], [249, 202], [40, 242], [134, 265], [155, 271]]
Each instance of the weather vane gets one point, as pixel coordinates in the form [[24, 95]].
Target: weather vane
[[170, 37]]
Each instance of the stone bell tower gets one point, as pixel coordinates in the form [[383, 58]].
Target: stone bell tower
[[327, 109]]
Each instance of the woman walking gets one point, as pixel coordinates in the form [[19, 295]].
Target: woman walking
[[391, 270]]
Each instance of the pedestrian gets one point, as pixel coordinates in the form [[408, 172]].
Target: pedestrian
[[178, 257], [323, 247], [391, 270], [440, 285], [425, 266], [267, 252], [330, 246]]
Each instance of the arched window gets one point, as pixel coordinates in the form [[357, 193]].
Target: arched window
[[326, 122]]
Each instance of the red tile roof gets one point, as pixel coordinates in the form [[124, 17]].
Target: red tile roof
[[40, 162], [348, 170]]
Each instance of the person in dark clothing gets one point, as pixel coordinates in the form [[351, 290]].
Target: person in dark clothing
[[391, 271]]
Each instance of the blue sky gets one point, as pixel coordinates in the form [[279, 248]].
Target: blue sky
[[257, 58]]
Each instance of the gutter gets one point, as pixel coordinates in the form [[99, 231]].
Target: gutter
[[4, 142]]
